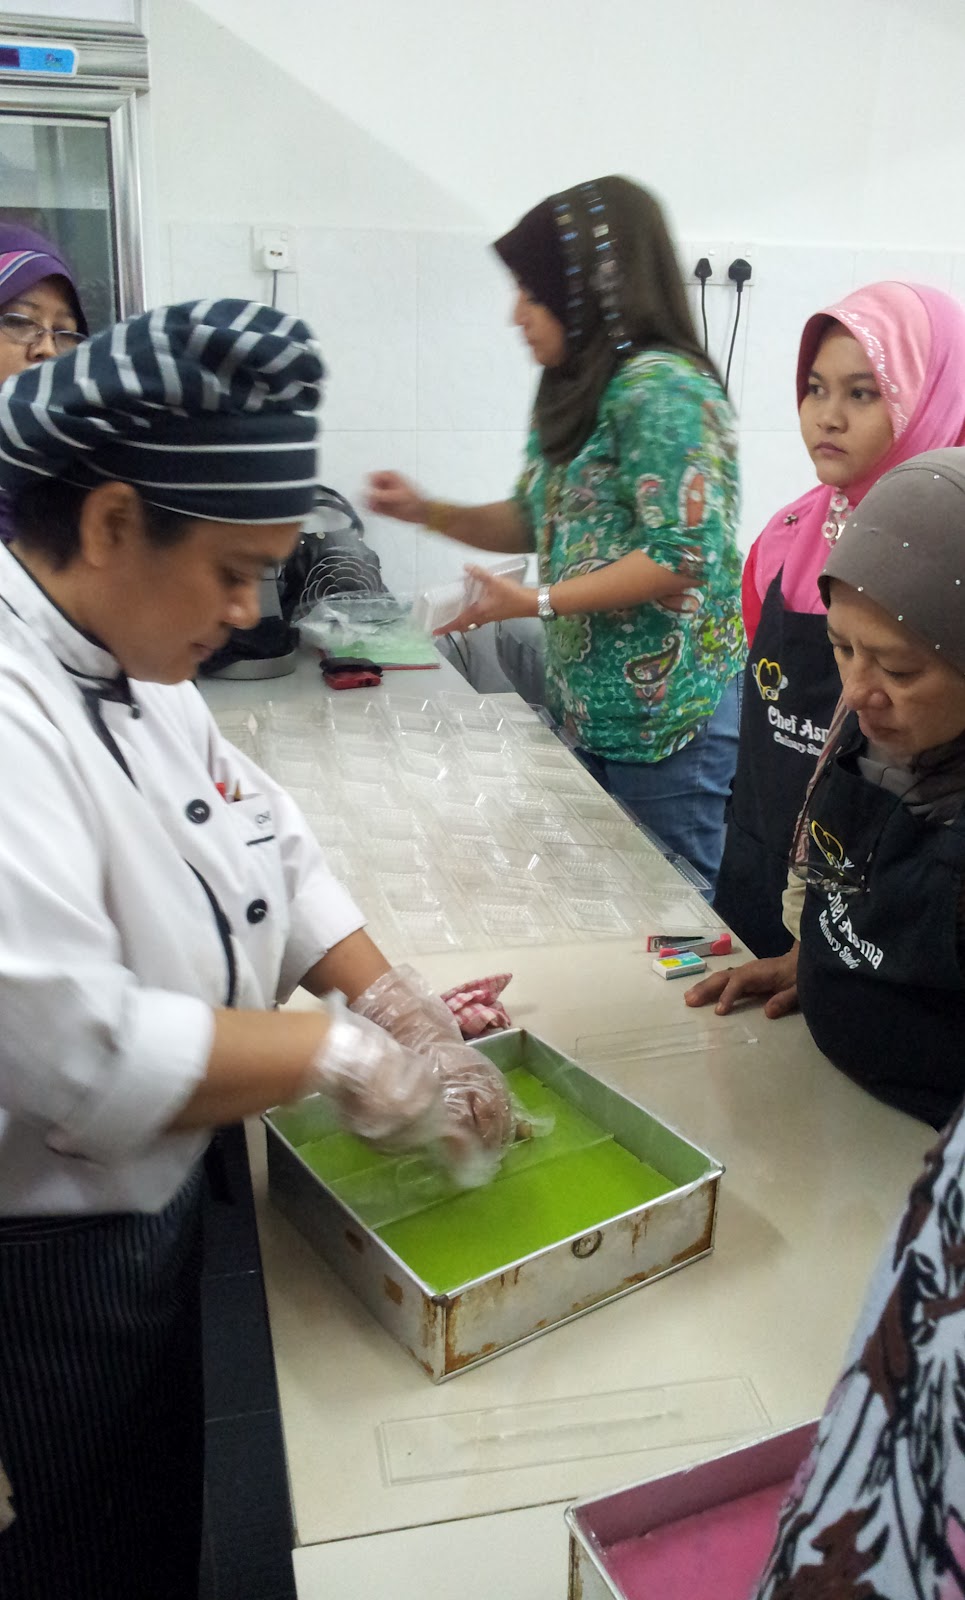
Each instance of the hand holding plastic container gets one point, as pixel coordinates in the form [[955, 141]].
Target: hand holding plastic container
[[443, 608]]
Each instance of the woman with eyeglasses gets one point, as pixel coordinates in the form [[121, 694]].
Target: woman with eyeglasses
[[40, 311], [876, 891]]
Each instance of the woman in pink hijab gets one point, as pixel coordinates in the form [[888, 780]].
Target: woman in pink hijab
[[880, 378]]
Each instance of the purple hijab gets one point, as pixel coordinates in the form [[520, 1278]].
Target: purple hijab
[[26, 258]]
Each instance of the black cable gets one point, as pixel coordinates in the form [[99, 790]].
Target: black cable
[[739, 271], [702, 271], [733, 340], [274, 288], [463, 656]]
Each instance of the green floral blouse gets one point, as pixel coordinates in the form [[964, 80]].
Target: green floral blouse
[[658, 474]]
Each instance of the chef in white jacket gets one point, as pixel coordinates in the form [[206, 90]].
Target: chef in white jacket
[[159, 895]]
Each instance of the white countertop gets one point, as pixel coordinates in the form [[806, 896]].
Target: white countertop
[[815, 1172]]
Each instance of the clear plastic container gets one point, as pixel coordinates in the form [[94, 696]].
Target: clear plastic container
[[594, 805], [431, 767], [295, 771], [425, 932], [537, 808], [329, 828], [427, 744], [512, 917], [542, 759], [515, 711], [560, 830], [459, 819], [361, 795], [469, 714], [522, 866], [392, 822], [491, 741], [368, 766], [368, 738], [571, 781], [600, 914], [395, 855], [416, 721], [679, 909], [689, 871], [410, 891], [487, 764], [587, 864], [351, 714], [615, 831], [532, 732]]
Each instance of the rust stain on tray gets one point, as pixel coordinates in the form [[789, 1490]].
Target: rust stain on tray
[[640, 1229], [393, 1290], [355, 1241]]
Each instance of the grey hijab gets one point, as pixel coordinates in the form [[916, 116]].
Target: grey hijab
[[904, 547]]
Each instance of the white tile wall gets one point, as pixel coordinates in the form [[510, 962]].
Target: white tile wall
[[427, 375]]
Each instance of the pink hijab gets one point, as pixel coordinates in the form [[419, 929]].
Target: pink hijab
[[914, 339]]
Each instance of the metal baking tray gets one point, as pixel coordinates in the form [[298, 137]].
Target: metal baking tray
[[450, 1332], [597, 1525]]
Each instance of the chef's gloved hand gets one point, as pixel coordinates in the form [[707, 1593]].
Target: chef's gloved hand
[[402, 1003], [478, 1119], [382, 1091]]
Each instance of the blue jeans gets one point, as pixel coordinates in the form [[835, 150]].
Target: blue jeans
[[682, 798]]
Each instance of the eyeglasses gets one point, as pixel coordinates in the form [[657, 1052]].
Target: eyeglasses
[[24, 331]]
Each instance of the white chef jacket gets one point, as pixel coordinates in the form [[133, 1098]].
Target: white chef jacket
[[132, 902]]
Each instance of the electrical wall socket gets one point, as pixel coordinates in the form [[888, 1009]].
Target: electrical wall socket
[[720, 254], [274, 249]]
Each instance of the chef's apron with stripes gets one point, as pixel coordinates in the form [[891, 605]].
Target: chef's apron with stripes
[[101, 1403]]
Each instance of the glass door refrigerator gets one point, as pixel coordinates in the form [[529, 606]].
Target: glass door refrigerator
[[68, 149]]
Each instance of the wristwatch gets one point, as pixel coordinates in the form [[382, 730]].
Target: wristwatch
[[544, 608]]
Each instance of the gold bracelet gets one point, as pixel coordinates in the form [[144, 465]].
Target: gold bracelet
[[439, 515]]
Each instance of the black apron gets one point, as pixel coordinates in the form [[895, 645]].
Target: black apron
[[791, 687], [880, 982], [101, 1403]]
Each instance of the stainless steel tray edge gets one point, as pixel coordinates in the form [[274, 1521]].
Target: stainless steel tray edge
[[357, 1255]]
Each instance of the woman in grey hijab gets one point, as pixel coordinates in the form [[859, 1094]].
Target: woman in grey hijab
[[878, 966]]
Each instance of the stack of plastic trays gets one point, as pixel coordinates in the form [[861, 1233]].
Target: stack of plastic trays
[[294, 762], [240, 728], [463, 712]]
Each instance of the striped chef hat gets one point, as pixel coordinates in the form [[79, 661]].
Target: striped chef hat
[[208, 408]]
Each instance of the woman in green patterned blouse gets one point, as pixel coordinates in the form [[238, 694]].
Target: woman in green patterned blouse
[[629, 496]]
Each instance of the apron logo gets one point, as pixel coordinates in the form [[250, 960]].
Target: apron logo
[[831, 848], [769, 679]]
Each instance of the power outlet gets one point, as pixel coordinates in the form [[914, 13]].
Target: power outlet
[[720, 254], [274, 249]]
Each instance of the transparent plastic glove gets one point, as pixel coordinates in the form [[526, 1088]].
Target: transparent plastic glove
[[478, 1119], [402, 1003], [477, 1112], [381, 1091]]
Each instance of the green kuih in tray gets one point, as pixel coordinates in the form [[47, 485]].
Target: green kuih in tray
[[566, 1180]]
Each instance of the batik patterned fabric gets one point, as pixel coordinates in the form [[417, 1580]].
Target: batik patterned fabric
[[658, 474], [878, 1510]]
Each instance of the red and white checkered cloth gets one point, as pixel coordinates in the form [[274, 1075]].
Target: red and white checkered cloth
[[476, 1005]]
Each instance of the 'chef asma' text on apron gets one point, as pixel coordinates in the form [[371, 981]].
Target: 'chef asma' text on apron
[[835, 924]]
